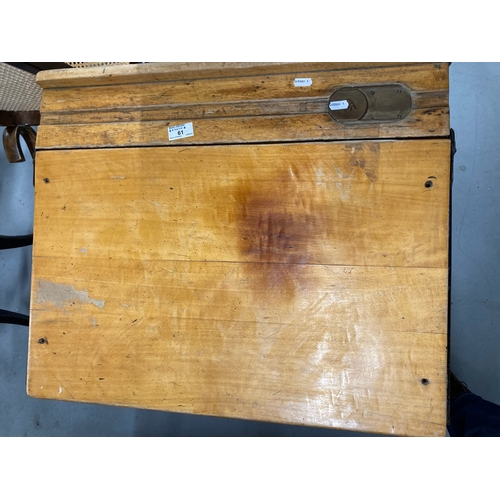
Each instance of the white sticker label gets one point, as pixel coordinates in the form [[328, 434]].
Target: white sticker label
[[180, 131], [334, 105], [302, 82]]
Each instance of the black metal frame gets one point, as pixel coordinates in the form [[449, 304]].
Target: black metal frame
[[13, 318], [453, 150]]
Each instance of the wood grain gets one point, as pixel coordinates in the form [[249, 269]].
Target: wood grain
[[140, 73], [254, 129], [261, 87], [299, 283], [258, 107], [207, 338], [335, 203], [424, 101]]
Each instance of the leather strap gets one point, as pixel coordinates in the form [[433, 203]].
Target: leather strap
[[12, 145]]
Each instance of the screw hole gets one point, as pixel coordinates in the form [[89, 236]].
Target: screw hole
[[372, 92], [428, 184], [425, 381], [46, 180], [41, 341]]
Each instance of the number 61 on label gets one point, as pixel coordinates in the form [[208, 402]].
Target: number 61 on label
[[180, 131]]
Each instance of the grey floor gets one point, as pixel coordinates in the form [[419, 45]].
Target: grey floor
[[475, 295]]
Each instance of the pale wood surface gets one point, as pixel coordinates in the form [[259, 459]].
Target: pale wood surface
[[140, 73], [248, 105], [299, 283]]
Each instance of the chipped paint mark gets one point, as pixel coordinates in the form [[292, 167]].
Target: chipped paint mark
[[344, 190], [125, 305], [118, 177], [339, 173], [94, 322], [320, 177], [59, 294], [60, 390], [84, 250]]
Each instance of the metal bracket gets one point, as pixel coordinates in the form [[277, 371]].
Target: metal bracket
[[371, 103]]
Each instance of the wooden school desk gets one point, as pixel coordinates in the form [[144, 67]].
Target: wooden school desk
[[260, 241]]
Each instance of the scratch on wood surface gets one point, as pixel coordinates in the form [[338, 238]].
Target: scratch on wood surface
[[58, 294], [60, 383]]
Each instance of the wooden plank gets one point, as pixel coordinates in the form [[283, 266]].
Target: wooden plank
[[209, 338], [323, 203], [260, 87], [424, 101], [139, 73], [253, 129], [299, 283]]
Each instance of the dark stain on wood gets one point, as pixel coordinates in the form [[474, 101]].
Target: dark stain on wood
[[280, 223]]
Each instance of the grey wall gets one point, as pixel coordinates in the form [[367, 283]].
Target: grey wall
[[475, 294]]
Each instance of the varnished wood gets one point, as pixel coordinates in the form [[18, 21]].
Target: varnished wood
[[422, 101], [350, 203], [140, 73], [296, 283], [306, 127], [250, 88], [249, 104]]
